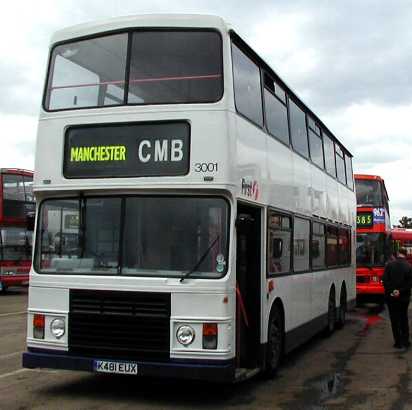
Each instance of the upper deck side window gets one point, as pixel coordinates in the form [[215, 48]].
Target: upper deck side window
[[385, 198], [329, 155], [164, 67], [349, 171], [247, 87], [276, 110], [315, 143], [298, 129], [340, 164]]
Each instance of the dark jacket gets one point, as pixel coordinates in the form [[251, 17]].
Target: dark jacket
[[398, 275]]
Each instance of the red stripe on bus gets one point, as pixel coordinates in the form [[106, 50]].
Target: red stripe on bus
[[140, 80]]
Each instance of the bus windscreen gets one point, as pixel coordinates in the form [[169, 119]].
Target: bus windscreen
[[15, 244], [139, 236], [368, 192], [371, 249]]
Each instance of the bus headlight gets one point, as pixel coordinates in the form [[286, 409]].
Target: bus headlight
[[58, 328], [185, 335]]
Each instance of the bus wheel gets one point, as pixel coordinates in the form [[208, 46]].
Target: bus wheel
[[343, 308], [331, 313], [2, 288], [275, 343]]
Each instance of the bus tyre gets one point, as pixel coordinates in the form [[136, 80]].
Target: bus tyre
[[274, 347], [331, 314], [343, 308], [2, 288]]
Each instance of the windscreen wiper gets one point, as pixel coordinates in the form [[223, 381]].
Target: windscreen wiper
[[199, 262]]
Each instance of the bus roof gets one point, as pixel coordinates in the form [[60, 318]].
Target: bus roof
[[401, 233], [143, 20], [370, 177], [17, 171]]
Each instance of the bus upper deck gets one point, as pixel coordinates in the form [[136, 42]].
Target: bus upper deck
[[177, 101]]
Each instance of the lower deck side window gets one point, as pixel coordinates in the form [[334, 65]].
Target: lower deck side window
[[301, 233], [279, 243]]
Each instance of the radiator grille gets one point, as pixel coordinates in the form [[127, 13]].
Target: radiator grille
[[119, 324]]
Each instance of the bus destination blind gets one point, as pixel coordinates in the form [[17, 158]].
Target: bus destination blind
[[130, 150], [364, 220]]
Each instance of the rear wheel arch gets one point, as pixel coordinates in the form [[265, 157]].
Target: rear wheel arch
[[343, 306], [276, 338], [331, 315]]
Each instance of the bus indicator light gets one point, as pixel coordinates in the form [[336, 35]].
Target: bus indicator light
[[210, 335], [271, 286], [38, 326]]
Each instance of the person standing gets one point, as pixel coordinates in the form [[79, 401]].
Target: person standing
[[397, 282]]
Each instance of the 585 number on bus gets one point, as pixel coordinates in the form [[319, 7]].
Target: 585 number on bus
[[364, 220]]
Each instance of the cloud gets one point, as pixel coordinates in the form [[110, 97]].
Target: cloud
[[18, 136], [349, 61], [340, 53], [362, 125]]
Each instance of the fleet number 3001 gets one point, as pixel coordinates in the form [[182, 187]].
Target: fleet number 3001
[[206, 167]]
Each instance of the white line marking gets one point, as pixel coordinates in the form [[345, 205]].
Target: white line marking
[[13, 314], [2, 376], [6, 356]]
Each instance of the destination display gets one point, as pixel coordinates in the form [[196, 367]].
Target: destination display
[[129, 150], [364, 219]]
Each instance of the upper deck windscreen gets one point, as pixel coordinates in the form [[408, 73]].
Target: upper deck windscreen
[[164, 67], [368, 192], [18, 196]]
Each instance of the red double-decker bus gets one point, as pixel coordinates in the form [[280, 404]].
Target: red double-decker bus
[[402, 238], [17, 209], [373, 236]]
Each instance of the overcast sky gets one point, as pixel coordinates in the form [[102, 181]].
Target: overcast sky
[[350, 61]]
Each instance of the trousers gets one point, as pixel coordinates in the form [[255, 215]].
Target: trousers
[[398, 313]]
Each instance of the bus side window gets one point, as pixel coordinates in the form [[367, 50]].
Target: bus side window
[[301, 237], [298, 129], [349, 172], [331, 246], [329, 155], [318, 245], [246, 78], [277, 247], [279, 240]]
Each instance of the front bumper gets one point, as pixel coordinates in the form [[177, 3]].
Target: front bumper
[[369, 289], [207, 371]]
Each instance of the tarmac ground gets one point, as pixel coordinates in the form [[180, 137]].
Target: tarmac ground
[[355, 368]]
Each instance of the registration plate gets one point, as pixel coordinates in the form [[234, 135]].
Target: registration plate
[[104, 366]]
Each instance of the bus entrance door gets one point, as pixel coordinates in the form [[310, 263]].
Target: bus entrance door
[[248, 286]]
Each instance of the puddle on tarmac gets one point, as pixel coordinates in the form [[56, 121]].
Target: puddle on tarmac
[[330, 386], [320, 391]]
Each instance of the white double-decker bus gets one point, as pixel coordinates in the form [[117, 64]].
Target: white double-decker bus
[[194, 218]]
